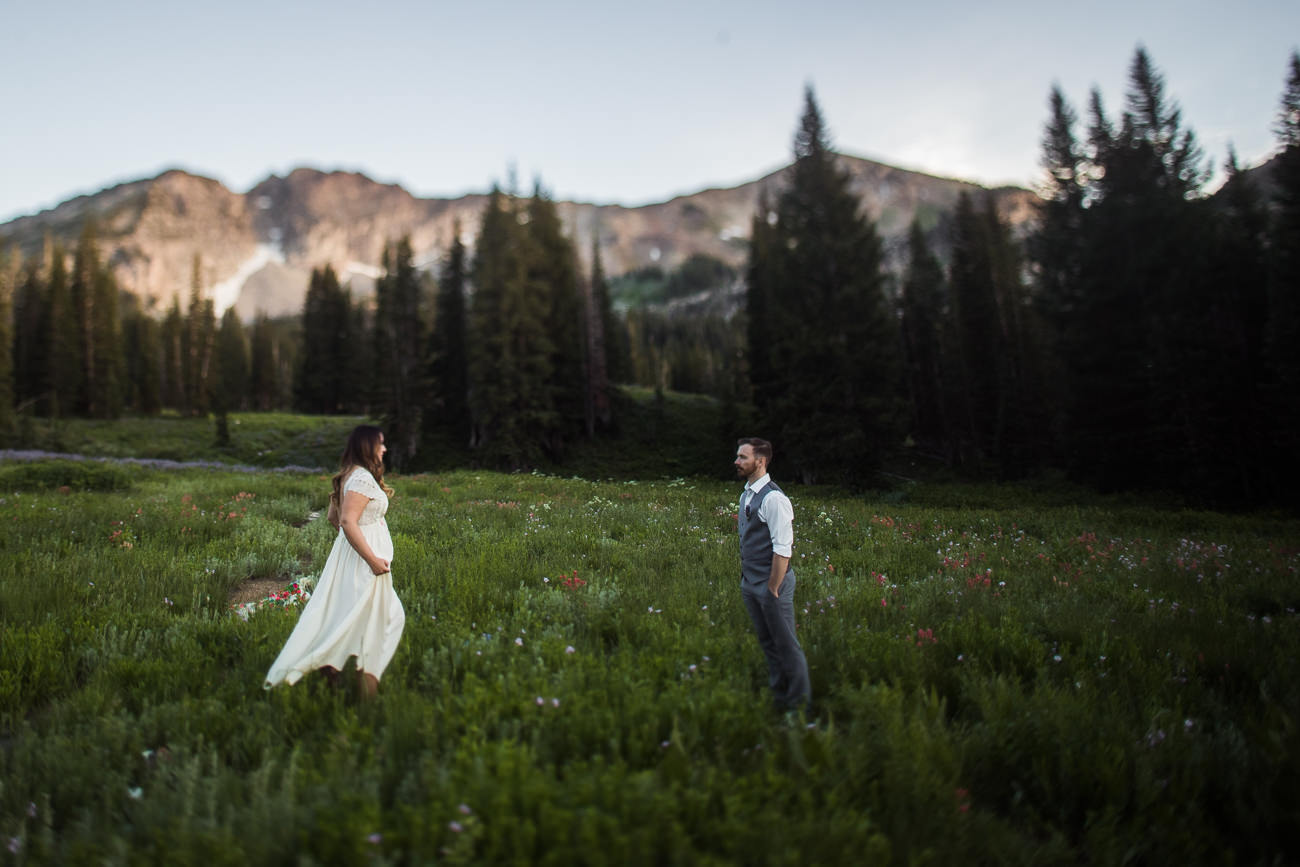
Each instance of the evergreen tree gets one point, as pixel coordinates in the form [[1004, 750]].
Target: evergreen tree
[[449, 352], [552, 275], [1135, 314], [325, 372], [599, 315], [200, 338], [83, 295], [510, 359], [8, 277], [401, 389], [760, 278], [1056, 247], [1283, 331], [173, 358], [64, 384], [231, 382], [923, 304], [264, 364], [31, 359], [1237, 461], [141, 351], [833, 400], [108, 361]]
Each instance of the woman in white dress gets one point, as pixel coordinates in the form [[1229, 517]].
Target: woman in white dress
[[354, 610]]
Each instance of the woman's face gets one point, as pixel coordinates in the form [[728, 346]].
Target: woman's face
[[380, 449]]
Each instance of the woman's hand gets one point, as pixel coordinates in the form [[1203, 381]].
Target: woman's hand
[[379, 566]]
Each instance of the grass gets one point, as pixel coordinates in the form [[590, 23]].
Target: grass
[[258, 439], [1000, 675]]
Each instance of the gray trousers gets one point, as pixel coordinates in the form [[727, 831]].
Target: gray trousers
[[787, 669]]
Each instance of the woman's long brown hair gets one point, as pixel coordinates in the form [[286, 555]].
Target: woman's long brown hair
[[362, 450]]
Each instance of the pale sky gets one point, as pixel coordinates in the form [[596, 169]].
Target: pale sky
[[607, 102]]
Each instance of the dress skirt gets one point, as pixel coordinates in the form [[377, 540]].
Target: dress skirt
[[352, 612]]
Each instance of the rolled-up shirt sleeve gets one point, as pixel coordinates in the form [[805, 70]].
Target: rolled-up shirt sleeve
[[778, 514]]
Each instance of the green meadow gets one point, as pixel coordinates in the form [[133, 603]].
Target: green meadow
[[1001, 675]]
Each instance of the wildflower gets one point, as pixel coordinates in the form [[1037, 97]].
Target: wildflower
[[569, 649], [31, 806], [375, 839], [540, 701], [464, 809], [691, 668], [664, 744], [1056, 657], [555, 702], [456, 826], [135, 792], [519, 642], [15, 845]]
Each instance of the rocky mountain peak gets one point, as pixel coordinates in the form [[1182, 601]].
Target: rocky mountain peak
[[256, 250]]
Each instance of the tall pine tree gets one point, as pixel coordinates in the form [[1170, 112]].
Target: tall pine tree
[[553, 276], [31, 357], [173, 358], [923, 302], [1283, 332], [400, 372], [449, 350], [64, 383], [230, 388], [832, 403], [142, 358], [510, 359], [8, 278], [327, 379], [599, 316]]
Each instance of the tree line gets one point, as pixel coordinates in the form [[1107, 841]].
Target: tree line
[[1143, 333], [77, 345], [514, 372]]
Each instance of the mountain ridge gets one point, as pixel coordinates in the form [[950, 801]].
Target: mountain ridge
[[256, 249]]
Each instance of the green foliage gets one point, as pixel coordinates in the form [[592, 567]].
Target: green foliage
[[448, 349], [1001, 674], [638, 287], [326, 379], [699, 273], [823, 332], [1282, 343], [8, 280], [1161, 371], [400, 387], [257, 439], [74, 475]]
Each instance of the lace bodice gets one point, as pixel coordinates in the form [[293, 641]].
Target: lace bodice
[[361, 481]]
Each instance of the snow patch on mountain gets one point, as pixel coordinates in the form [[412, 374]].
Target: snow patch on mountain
[[226, 293]]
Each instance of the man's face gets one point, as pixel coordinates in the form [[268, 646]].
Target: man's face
[[746, 463]]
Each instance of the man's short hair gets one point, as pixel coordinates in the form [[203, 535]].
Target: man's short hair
[[762, 448]]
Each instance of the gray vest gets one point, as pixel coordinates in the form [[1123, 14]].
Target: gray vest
[[756, 540]]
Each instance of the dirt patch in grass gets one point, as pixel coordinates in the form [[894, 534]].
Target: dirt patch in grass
[[253, 589]]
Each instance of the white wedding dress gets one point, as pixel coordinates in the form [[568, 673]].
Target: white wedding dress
[[352, 612]]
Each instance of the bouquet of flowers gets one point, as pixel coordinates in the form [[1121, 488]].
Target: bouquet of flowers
[[291, 596]]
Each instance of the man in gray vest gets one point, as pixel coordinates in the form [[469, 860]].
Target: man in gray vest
[[766, 524]]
